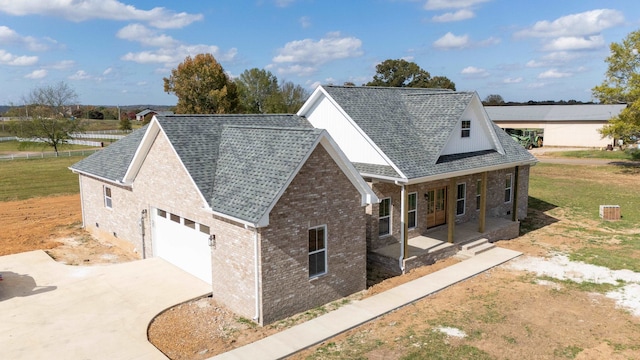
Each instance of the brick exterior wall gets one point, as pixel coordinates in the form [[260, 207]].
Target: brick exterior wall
[[496, 206], [161, 183], [233, 263], [320, 194]]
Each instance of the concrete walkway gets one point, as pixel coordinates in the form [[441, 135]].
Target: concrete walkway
[[53, 311], [315, 331]]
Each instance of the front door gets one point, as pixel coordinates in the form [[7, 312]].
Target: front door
[[436, 207]]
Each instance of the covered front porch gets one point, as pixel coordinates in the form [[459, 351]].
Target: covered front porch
[[434, 245]]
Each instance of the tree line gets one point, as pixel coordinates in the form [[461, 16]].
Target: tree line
[[203, 87]]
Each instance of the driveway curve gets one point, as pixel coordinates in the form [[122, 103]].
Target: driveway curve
[[50, 310]]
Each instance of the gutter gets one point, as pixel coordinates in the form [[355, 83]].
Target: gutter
[[100, 178]]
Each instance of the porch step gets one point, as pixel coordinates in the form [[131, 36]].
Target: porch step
[[474, 248]]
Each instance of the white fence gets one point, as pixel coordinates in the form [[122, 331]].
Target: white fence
[[49, 154], [97, 136]]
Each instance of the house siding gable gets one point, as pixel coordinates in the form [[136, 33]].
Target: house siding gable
[[320, 194], [325, 115], [480, 135]]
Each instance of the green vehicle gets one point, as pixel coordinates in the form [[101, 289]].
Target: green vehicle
[[528, 138]]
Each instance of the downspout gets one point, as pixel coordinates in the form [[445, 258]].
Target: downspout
[[403, 221], [256, 318], [143, 214], [514, 210], [82, 202]]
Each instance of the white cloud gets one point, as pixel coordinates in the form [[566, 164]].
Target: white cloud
[[553, 74], [302, 57], [10, 36], [556, 58], [83, 10], [305, 22], [36, 74], [284, 3], [459, 15], [489, 41], [169, 52], [451, 4], [474, 72], [63, 65], [107, 71], [145, 36], [574, 25], [172, 56], [513, 80], [80, 75], [450, 41], [568, 43], [7, 58], [537, 85]]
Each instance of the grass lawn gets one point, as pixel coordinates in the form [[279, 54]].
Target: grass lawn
[[16, 146], [24, 179], [578, 191], [594, 154]]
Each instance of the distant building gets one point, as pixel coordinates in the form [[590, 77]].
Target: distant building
[[563, 125], [140, 116]]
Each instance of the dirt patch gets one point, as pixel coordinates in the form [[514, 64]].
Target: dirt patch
[[53, 224]]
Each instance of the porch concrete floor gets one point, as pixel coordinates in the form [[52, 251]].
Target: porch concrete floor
[[436, 239]]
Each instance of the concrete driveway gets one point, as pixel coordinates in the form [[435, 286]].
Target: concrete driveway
[[50, 310]]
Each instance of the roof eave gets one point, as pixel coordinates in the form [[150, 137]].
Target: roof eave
[[454, 174], [111, 181]]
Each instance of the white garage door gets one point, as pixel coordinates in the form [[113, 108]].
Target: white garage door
[[183, 243]]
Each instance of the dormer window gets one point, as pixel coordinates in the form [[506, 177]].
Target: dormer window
[[466, 128]]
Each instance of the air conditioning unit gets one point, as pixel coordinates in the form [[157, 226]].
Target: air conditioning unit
[[610, 212]]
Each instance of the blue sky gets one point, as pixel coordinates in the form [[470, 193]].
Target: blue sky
[[117, 51]]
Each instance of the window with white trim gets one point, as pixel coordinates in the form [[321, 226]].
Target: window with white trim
[[384, 217], [317, 251], [108, 202], [507, 188], [466, 128], [412, 212], [478, 193], [461, 198]]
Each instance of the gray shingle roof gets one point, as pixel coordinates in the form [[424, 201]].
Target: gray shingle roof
[[254, 165], [197, 138], [411, 126], [112, 162], [246, 149]]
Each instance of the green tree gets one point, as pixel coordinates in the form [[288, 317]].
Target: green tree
[[493, 99], [622, 85], [202, 87], [50, 119], [442, 82], [258, 91], [292, 97], [402, 73], [125, 123]]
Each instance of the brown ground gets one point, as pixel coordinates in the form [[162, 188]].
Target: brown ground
[[504, 313], [53, 224]]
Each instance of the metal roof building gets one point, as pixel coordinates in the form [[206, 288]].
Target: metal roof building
[[563, 125]]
